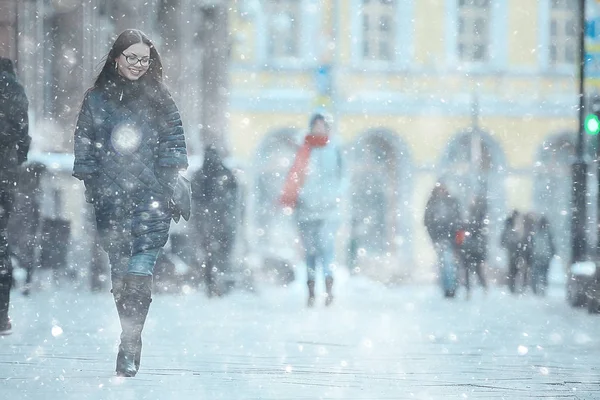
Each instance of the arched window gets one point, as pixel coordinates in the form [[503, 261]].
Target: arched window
[[473, 164], [272, 233], [553, 187], [380, 193]]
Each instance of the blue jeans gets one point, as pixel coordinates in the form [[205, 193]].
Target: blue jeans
[[123, 263], [447, 265], [117, 241], [319, 246], [132, 234]]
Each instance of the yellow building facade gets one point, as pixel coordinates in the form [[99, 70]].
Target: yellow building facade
[[476, 91]]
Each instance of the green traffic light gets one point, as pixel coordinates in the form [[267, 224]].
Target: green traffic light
[[592, 124]]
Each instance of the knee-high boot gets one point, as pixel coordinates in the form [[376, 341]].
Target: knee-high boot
[[133, 309], [118, 284], [5, 285]]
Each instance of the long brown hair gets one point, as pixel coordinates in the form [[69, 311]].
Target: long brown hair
[[127, 38]]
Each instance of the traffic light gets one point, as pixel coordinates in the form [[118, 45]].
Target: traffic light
[[592, 119], [592, 124]]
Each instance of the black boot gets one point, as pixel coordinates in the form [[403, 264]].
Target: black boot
[[5, 285], [328, 288], [311, 293], [135, 302], [117, 291]]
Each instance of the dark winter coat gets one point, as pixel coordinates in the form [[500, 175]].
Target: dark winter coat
[[129, 148], [442, 216], [476, 242], [513, 236], [214, 195], [14, 123], [543, 245]]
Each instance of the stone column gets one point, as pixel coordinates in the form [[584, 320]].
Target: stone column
[[215, 61], [8, 29]]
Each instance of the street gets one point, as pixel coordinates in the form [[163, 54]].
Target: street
[[375, 342]]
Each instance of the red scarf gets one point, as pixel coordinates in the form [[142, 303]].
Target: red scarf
[[295, 178]]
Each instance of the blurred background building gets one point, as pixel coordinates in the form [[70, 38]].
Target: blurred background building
[[481, 94]]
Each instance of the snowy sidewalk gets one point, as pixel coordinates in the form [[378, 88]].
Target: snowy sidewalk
[[374, 343]]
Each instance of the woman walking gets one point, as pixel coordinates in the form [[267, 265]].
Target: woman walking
[[313, 188], [129, 149]]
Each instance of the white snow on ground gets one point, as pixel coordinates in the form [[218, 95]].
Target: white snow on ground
[[376, 342]]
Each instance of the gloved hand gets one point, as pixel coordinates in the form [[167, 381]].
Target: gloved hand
[[175, 212]]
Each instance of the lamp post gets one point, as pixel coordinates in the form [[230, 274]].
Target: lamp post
[[579, 167]]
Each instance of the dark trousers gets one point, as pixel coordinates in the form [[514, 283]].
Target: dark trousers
[[513, 270], [6, 268], [539, 276], [216, 261], [475, 265]]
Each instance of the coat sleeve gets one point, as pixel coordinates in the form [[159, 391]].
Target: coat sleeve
[[85, 165], [172, 152], [428, 217], [21, 123]]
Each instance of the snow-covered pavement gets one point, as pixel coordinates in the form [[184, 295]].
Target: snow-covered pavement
[[405, 342]]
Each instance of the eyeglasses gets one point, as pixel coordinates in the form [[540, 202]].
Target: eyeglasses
[[133, 59]]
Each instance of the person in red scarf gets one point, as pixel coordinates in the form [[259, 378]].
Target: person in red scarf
[[313, 190]]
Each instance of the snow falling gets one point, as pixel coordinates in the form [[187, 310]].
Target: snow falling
[[299, 199]]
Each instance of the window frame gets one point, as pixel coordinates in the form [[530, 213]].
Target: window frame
[[497, 47], [309, 22], [402, 48], [544, 41]]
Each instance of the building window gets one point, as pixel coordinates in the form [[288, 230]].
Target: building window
[[563, 32], [283, 19], [473, 30], [378, 26]]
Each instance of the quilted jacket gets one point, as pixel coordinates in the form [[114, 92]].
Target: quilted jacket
[[14, 124], [129, 148]]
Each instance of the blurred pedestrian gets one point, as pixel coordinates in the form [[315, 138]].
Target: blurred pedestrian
[[475, 245], [14, 146], [443, 220], [543, 251], [513, 240], [129, 149], [26, 220], [313, 189], [529, 226], [215, 199]]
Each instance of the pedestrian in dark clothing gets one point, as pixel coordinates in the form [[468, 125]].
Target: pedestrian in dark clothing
[[529, 225], [475, 246], [14, 146], [513, 239], [215, 198], [129, 149], [26, 220], [442, 220], [312, 188], [543, 251]]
